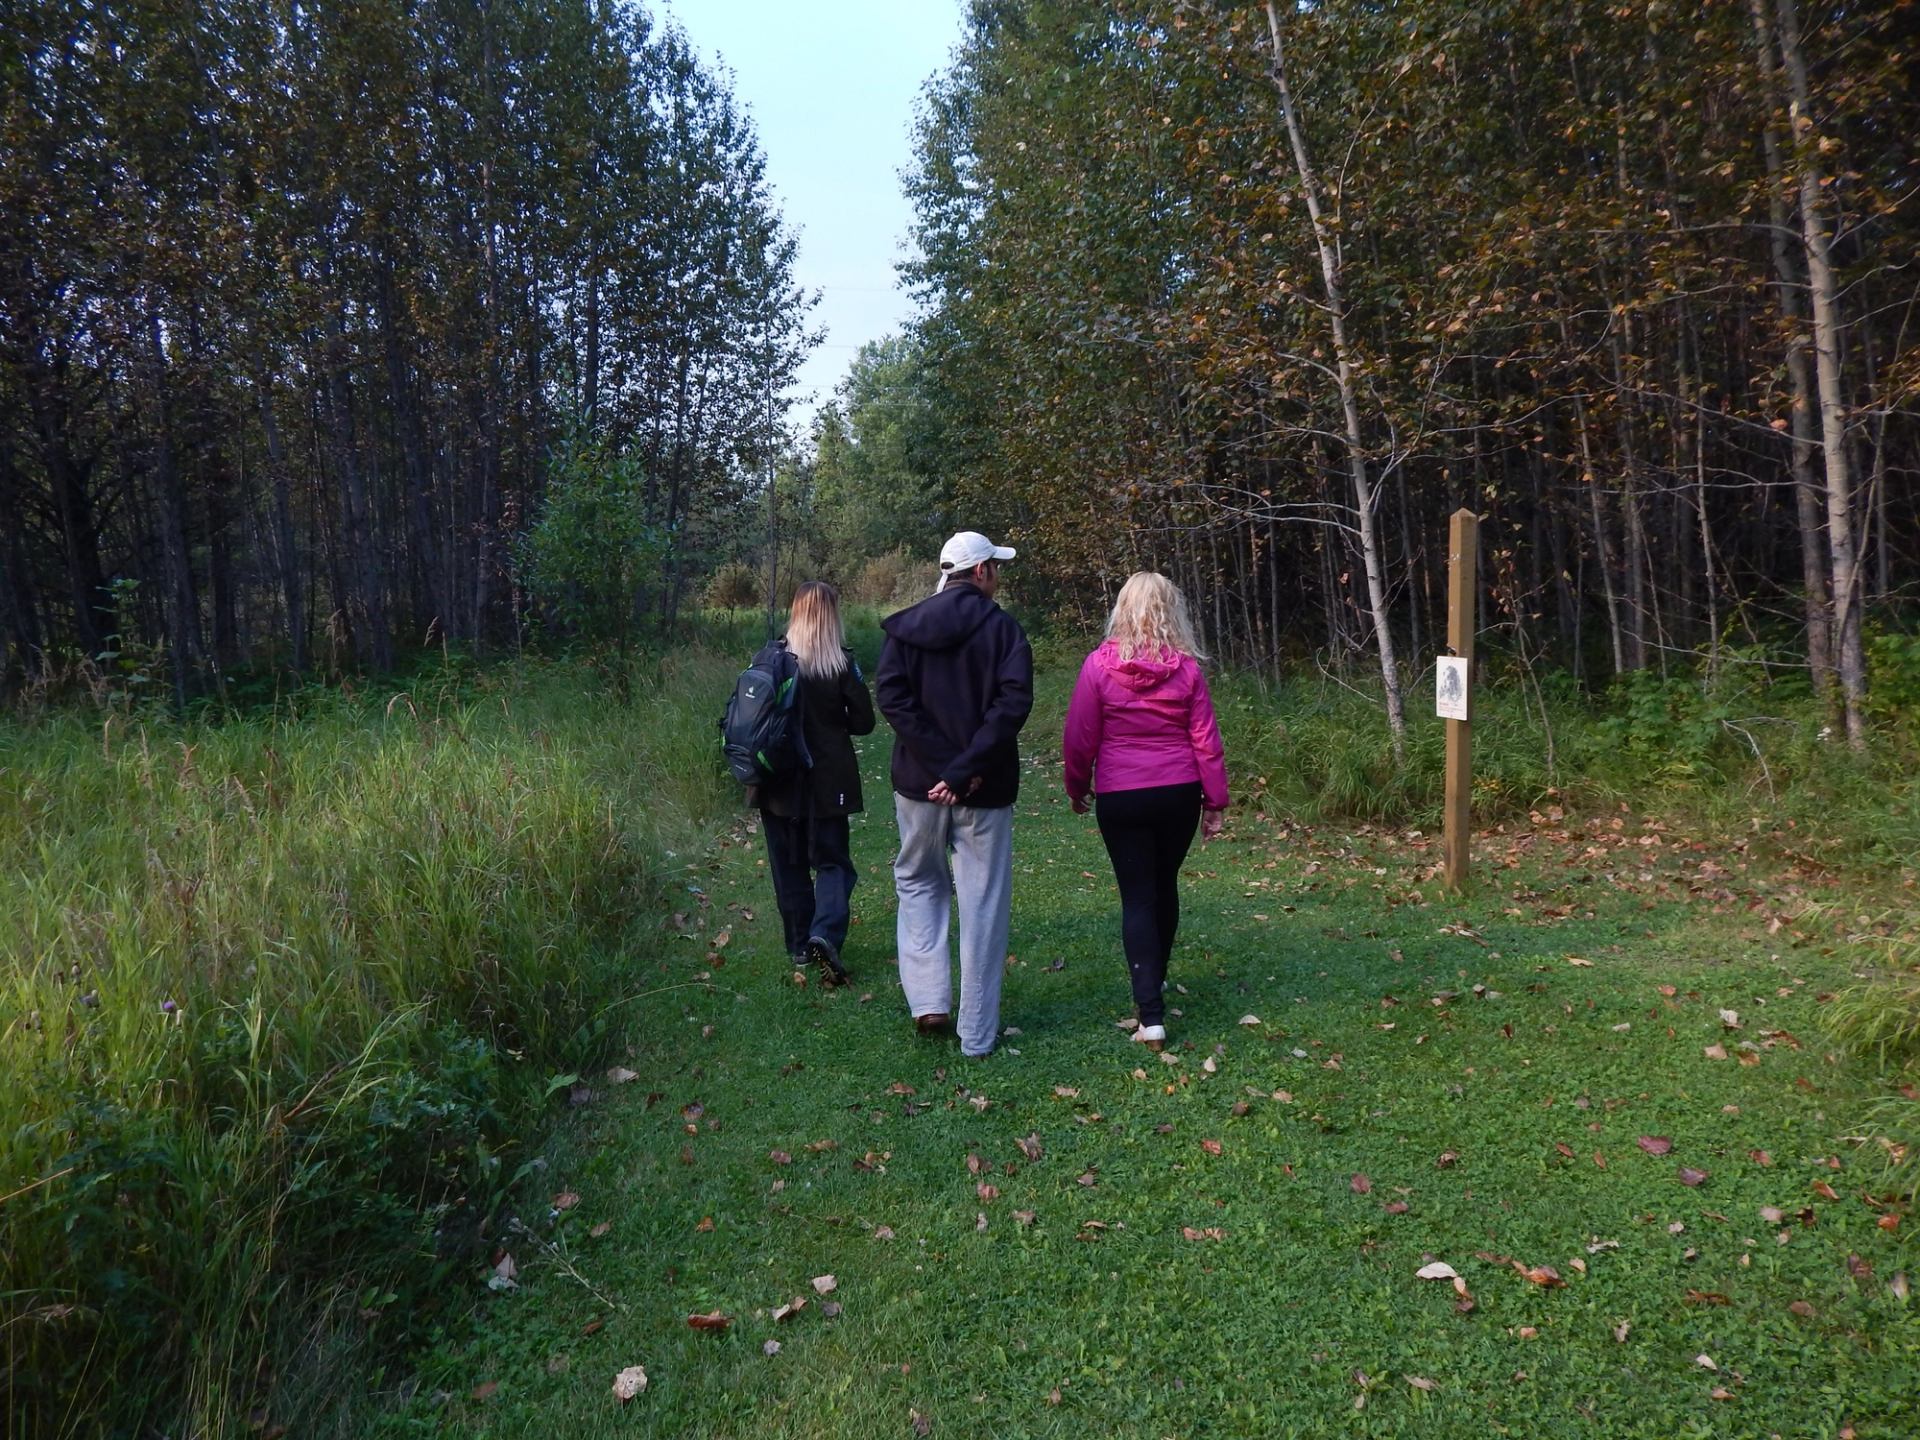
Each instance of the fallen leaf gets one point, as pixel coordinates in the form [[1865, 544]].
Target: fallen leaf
[[1620, 1331], [1720, 1392], [1576, 960], [883, 1232], [1030, 1147], [1212, 1232], [1888, 1222], [1066, 1092], [779, 1157], [1087, 1178], [770, 1349], [1691, 1176], [1705, 1362], [1545, 1276], [1802, 1309], [980, 1221], [1396, 1207], [987, 1193], [1249, 1019], [1825, 1191], [1053, 1396], [825, 1284], [1859, 1269], [602, 1228], [1024, 1217], [1706, 1297], [1760, 1157], [592, 1327], [705, 1227], [922, 1425], [792, 1308], [1212, 1147], [566, 1200], [620, 1075], [629, 1383], [830, 1309], [1898, 1285], [486, 1389], [1715, 1051], [1360, 1184], [1655, 1144], [900, 1087], [712, 1320], [1437, 1270], [1447, 1158], [1527, 1332], [1420, 1382]]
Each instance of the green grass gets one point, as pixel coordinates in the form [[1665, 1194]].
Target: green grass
[[279, 998], [1362, 975]]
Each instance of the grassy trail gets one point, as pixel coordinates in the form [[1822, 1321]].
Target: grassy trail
[[1468, 1082]]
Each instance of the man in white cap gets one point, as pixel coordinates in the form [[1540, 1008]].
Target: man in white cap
[[956, 683]]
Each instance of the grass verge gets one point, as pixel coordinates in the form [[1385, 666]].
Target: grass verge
[[280, 996]]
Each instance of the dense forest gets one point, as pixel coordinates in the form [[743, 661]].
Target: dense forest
[[304, 307], [1259, 294]]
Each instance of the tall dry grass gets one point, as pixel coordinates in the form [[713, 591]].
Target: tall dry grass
[[276, 993]]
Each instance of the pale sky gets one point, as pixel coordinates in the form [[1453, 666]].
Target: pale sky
[[831, 85]]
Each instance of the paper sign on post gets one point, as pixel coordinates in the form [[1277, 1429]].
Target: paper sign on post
[[1450, 688]]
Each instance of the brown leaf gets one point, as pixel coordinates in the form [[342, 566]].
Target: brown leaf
[[922, 1424], [1691, 1176], [1395, 1207], [1360, 1184], [1859, 1269], [1053, 1396], [1031, 1147], [1024, 1217], [486, 1389], [900, 1087], [1760, 1157], [1620, 1331], [1655, 1144], [825, 1284], [1212, 1232], [705, 1227], [629, 1383], [975, 1164], [1802, 1309], [1212, 1147], [1545, 1276], [592, 1327], [620, 1075], [1087, 1178], [1066, 1092], [1420, 1382], [980, 1222], [1715, 1051], [1824, 1190], [1448, 1158], [1707, 1297], [987, 1193], [1888, 1221], [602, 1228], [712, 1320], [1564, 1148], [779, 1157]]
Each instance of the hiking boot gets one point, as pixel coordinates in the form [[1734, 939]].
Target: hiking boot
[[821, 952], [931, 1024]]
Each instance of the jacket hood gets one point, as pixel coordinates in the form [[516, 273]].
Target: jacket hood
[[1141, 672], [943, 621]]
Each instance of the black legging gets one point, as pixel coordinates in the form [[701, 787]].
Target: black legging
[[1148, 833]]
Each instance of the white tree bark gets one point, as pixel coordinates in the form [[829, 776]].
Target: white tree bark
[[1827, 325], [1363, 486]]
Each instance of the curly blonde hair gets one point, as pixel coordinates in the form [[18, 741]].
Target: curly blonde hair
[[1150, 618]]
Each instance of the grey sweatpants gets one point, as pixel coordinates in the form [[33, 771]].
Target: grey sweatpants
[[980, 873]]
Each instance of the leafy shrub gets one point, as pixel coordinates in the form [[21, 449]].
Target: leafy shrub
[[735, 586]]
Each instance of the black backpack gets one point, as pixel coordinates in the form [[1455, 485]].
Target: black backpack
[[761, 733]]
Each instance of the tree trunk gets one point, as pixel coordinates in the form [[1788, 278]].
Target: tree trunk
[[1363, 490], [1806, 484], [1827, 327]]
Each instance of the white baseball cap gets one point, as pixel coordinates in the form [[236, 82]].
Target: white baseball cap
[[964, 551]]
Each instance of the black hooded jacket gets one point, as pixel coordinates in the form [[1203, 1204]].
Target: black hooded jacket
[[956, 683]]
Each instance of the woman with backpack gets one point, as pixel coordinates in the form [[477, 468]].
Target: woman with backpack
[[804, 814], [1142, 738]]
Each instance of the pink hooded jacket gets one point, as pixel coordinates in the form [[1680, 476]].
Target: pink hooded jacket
[[1142, 722]]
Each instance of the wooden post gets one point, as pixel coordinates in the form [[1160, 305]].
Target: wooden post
[[1463, 564]]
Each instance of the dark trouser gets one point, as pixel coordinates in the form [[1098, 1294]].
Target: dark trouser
[[1148, 833], [813, 877]]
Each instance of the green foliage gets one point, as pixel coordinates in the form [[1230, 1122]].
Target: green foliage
[[592, 551], [1893, 668], [284, 993], [879, 467], [735, 586]]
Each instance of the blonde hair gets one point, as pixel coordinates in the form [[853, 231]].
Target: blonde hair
[[1150, 618], [814, 633]]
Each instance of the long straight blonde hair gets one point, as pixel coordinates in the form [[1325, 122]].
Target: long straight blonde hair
[[1150, 618], [814, 632]]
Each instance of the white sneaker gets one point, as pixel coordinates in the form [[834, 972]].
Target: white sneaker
[[1151, 1036]]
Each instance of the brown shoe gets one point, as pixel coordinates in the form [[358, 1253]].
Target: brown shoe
[[931, 1024]]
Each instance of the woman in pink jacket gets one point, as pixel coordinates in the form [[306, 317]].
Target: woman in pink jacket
[[1141, 736]]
